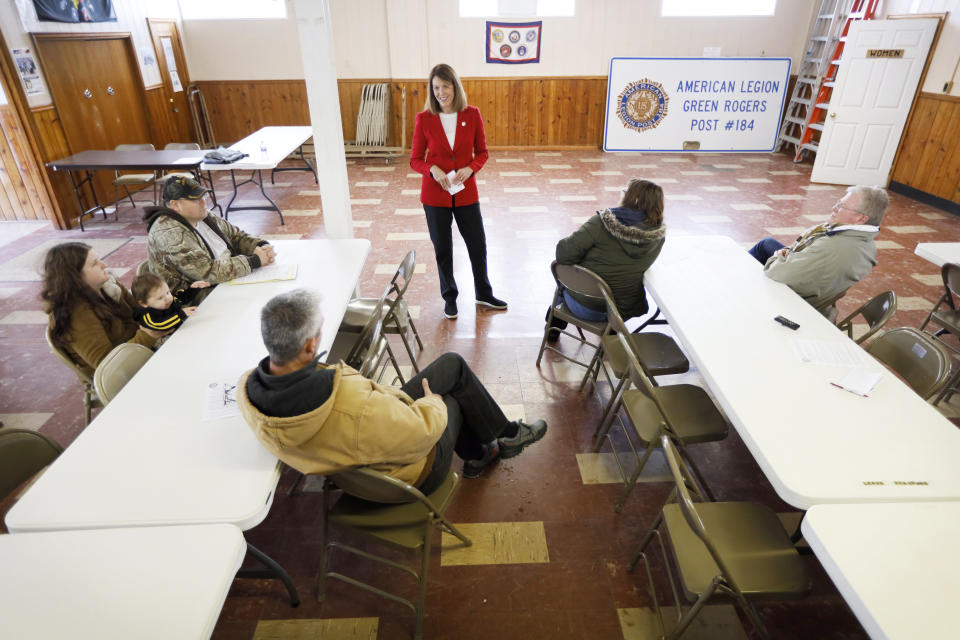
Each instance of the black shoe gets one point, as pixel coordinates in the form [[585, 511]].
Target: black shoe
[[553, 335], [474, 468], [492, 302], [527, 434], [450, 309]]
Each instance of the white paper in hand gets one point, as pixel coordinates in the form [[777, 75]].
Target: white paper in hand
[[454, 188]]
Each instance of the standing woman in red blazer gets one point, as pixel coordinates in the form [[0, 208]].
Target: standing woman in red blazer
[[449, 137]]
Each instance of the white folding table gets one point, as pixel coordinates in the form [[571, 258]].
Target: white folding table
[[815, 443], [939, 253], [148, 459], [265, 149], [156, 582], [897, 565]]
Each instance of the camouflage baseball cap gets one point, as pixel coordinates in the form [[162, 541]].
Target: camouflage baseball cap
[[183, 188]]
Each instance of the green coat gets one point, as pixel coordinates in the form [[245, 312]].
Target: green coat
[[618, 253]]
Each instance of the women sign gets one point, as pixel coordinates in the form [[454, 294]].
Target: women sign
[[695, 104]]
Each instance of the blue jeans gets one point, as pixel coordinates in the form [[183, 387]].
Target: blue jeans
[[581, 311], [765, 248]]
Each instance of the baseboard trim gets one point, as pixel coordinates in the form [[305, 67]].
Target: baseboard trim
[[922, 196]]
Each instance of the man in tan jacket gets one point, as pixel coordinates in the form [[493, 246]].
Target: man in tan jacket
[[322, 419]]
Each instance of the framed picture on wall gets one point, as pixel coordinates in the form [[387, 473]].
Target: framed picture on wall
[[75, 10], [513, 42]]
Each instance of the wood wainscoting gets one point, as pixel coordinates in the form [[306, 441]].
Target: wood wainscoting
[[929, 156], [519, 112]]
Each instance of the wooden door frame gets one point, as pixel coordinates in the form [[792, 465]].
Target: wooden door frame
[[184, 73], [18, 99], [127, 39], [942, 17], [155, 38]]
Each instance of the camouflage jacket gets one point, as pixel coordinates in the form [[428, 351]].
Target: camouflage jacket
[[179, 254]]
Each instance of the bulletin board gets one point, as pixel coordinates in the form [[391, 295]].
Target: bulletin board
[[703, 104]]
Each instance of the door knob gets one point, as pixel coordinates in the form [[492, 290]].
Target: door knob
[[110, 90], [833, 115], [87, 94]]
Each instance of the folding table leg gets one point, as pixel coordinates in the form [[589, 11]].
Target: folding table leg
[[273, 571]]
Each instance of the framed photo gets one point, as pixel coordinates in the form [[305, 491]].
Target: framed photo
[[513, 42]]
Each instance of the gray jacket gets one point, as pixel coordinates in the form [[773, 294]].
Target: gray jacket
[[829, 265]]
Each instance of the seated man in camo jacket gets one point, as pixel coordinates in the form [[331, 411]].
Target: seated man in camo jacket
[[186, 243]]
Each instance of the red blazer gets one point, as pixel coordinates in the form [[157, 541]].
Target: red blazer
[[430, 147]]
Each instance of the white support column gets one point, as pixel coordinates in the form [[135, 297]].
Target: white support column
[[320, 70]]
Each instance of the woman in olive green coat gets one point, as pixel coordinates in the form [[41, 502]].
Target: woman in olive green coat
[[619, 245]]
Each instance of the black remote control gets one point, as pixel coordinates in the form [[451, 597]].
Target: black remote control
[[787, 323]]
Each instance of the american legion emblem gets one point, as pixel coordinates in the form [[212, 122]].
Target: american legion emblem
[[642, 105]]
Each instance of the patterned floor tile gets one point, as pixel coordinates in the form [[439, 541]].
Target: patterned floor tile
[[931, 279], [496, 543], [308, 629], [715, 622], [914, 303], [25, 317], [31, 421], [605, 468], [909, 228], [888, 244]]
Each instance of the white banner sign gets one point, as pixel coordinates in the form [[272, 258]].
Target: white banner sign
[[695, 104]]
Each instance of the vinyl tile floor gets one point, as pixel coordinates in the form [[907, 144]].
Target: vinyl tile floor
[[551, 554]]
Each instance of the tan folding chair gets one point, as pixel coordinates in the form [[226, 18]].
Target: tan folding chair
[[396, 312], [90, 399], [127, 180], [390, 512], [659, 353], [177, 146], [876, 312], [585, 283], [924, 363], [23, 453], [948, 318], [117, 368], [828, 307], [682, 412], [364, 350], [739, 550]]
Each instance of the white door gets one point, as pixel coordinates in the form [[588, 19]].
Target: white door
[[871, 100]]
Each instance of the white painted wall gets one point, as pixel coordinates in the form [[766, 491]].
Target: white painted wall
[[944, 63], [404, 38], [18, 19]]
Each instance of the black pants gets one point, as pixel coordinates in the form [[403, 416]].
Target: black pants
[[470, 224], [473, 416]]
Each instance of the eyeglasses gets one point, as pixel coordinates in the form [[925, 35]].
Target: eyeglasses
[[840, 205]]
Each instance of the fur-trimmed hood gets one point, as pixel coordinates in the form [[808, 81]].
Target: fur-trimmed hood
[[638, 237]]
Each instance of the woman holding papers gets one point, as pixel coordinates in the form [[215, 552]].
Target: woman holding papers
[[449, 147]]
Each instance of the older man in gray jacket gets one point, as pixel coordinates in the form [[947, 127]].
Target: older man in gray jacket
[[831, 257]]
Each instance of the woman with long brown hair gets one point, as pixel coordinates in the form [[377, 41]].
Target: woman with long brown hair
[[619, 245], [449, 147], [90, 312]]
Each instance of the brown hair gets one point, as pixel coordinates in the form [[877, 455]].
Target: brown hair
[[63, 288], [446, 73], [143, 285], [645, 196]]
